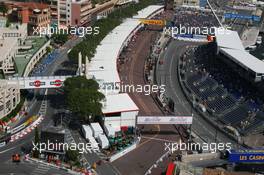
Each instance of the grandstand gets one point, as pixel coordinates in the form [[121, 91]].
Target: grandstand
[[217, 82]]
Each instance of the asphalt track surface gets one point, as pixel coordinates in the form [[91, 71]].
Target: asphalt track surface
[[152, 145], [168, 75]]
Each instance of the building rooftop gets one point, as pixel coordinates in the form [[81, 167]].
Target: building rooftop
[[23, 59], [105, 70], [246, 60], [9, 38], [229, 40], [231, 45], [119, 103], [29, 5]]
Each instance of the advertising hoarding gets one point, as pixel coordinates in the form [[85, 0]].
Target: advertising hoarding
[[240, 16], [246, 156], [153, 22], [45, 83], [169, 120]]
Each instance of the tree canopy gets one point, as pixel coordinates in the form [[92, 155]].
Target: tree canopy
[[3, 8], [88, 46], [72, 155], [60, 38], [83, 97], [80, 82]]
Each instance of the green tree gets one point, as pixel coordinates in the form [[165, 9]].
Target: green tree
[[48, 49], [72, 155], [60, 38], [83, 97], [36, 142], [80, 82], [3, 8]]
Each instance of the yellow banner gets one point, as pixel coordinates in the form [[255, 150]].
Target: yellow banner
[[30, 120], [153, 22]]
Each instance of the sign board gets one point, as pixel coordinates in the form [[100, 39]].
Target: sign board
[[247, 156], [45, 83], [167, 120], [153, 22], [183, 36], [239, 16]]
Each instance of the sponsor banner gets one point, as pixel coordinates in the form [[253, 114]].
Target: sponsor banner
[[256, 18], [246, 156], [245, 8], [239, 16], [51, 83], [30, 120], [183, 36], [177, 120], [152, 22], [200, 37]]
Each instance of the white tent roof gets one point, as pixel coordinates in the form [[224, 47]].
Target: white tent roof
[[229, 39], [246, 60], [231, 45], [147, 11], [119, 103], [96, 127], [108, 50]]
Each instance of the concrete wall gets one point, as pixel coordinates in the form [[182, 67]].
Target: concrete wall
[[199, 157]]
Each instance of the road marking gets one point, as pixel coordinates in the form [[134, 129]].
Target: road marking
[[143, 143], [158, 139], [8, 150]]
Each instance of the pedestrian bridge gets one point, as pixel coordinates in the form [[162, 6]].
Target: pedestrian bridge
[[38, 82]]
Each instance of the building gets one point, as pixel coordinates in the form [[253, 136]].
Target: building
[[70, 12], [119, 111], [9, 97], [81, 12], [32, 13], [54, 11], [102, 10], [10, 40], [192, 3], [232, 51]]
